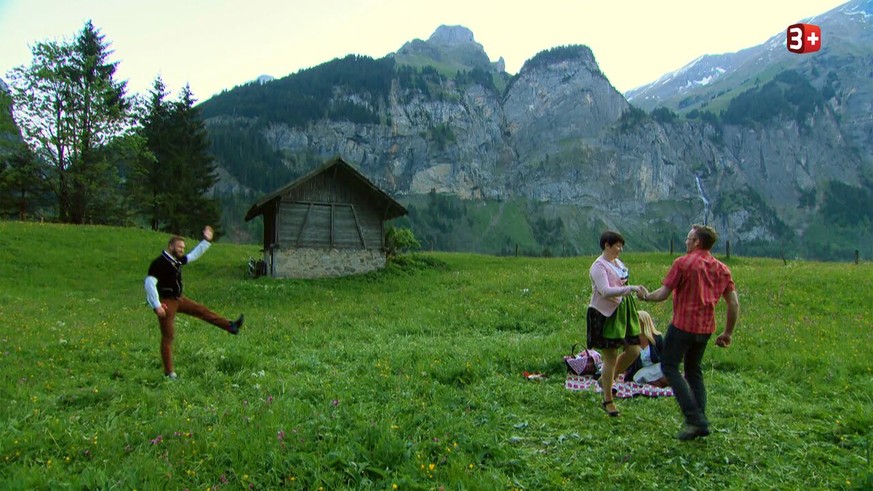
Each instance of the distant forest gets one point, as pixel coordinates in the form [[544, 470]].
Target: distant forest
[[788, 95]]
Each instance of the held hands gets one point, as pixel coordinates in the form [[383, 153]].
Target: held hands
[[723, 340], [642, 292], [207, 233]]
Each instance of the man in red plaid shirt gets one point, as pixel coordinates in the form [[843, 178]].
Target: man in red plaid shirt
[[697, 281]]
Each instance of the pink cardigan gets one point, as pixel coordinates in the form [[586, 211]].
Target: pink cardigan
[[607, 289]]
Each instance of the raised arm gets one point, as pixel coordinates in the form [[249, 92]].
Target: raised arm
[[203, 245]]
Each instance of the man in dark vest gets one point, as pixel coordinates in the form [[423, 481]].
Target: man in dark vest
[[163, 287]]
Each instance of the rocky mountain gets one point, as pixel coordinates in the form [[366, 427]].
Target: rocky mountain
[[713, 79], [448, 48], [545, 160], [842, 69]]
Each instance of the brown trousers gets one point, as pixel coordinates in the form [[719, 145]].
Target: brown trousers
[[183, 305]]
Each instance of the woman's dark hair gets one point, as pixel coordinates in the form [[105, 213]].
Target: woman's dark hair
[[610, 238]]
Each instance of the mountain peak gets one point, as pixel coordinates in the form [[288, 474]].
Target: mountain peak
[[452, 36], [451, 48]]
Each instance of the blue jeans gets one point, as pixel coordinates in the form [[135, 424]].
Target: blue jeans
[[689, 390]]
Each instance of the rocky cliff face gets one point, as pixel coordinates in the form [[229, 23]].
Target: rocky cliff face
[[559, 102], [560, 134], [842, 71]]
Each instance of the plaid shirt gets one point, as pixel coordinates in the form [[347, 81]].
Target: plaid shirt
[[697, 280]]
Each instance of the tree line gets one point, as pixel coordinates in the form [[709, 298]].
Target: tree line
[[309, 94], [788, 95], [87, 152]]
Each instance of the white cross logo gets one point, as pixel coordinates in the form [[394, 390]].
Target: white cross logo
[[812, 38]]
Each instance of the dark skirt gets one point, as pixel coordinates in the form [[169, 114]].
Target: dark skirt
[[597, 323]]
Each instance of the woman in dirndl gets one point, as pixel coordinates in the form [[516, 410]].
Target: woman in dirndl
[[613, 322]]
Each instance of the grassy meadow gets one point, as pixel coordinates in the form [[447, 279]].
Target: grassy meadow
[[409, 378]]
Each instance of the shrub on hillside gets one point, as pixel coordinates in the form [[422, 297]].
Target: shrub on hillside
[[399, 239]]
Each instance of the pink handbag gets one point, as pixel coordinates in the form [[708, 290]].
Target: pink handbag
[[583, 363]]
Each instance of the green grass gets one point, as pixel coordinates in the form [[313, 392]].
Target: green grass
[[408, 377]]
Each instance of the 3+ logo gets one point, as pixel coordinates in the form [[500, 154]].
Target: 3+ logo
[[803, 38]]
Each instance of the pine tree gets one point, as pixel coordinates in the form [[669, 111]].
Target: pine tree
[[148, 179], [103, 114], [23, 186], [197, 166], [174, 188]]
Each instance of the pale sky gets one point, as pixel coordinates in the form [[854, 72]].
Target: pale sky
[[218, 44]]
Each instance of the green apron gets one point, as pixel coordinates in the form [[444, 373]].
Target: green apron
[[624, 322]]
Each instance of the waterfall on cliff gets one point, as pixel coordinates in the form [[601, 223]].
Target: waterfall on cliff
[[702, 198]]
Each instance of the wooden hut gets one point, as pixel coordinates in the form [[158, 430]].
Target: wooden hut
[[329, 222]]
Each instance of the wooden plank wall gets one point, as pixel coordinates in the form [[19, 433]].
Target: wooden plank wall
[[327, 212]]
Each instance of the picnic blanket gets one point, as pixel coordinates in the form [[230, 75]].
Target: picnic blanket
[[624, 390]]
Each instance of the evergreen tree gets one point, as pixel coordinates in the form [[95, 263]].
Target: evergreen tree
[[124, 154], [194, 167], [69, 108], [103, 115], [174, 188], [23, 187], [148, 179]]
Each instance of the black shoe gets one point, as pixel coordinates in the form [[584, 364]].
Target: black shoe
[[235, 325], [691, 432], [613, 414]]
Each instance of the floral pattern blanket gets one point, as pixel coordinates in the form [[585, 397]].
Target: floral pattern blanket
[[624, 390]]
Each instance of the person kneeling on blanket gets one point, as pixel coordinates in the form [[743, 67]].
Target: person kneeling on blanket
[[646, 369]]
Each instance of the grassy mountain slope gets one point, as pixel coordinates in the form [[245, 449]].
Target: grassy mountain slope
[[408, 377], [712, 81]]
